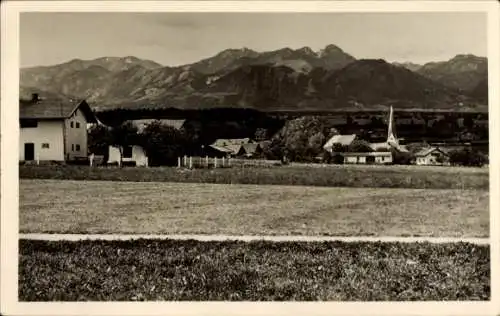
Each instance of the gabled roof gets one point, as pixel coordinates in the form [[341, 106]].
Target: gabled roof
[[345, 140], [231, 141], [234, 149], [250, 148], [426, 151], [54, 108]]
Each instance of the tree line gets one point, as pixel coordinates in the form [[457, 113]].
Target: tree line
[[300, 140]]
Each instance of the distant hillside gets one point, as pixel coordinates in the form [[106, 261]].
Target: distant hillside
[[283, 79], [480, 91], [462, 72], [378, 82]]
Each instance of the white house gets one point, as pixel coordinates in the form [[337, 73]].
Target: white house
[[53, 129], [367, 158], [432, 156]]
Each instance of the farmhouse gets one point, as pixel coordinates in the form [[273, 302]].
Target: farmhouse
[[53, 129], [136, 154], [432, 156]]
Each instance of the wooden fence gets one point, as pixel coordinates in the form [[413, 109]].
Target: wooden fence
[[209, 162]]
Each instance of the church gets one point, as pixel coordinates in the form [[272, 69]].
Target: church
[[366, 152]]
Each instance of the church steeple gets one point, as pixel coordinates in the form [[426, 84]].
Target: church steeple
[[391, 131]]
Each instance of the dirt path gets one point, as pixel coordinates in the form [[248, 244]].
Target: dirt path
[[75, 237]]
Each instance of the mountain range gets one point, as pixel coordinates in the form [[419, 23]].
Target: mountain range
[[284, 79]]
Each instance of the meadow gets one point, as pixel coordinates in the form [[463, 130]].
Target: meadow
[[412, 177], [70, 206], [297, 199], [149, 270]]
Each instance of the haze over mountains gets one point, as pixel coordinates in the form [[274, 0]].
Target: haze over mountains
[[284, 79]]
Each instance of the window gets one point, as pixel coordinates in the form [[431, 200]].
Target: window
[[127, 151], [77, 124], [77, 147], [28, 123], [45, 145], [71, 124]]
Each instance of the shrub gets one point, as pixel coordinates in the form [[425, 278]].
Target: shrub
[[467, 157]]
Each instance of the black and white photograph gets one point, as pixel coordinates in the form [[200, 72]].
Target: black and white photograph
[[252, 155]]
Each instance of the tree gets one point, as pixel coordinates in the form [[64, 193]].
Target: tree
[[358, 146], [260, 134], [123, 135], [301, 139], [164, 144], [99, 141]]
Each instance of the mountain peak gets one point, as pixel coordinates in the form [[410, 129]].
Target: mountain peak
[[462, 56], [330, 49], [130, 59], [306, 50], [236, 51]]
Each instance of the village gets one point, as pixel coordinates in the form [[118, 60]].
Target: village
[[58, 131]]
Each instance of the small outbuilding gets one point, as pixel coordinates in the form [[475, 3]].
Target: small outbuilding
[[131, 155]]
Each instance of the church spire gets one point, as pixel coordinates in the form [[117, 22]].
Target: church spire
[[391, 133]]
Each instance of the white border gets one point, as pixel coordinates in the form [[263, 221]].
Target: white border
[[9, 171]]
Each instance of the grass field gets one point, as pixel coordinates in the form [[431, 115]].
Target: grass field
[[191, 270], [147, 207], [414, 177]]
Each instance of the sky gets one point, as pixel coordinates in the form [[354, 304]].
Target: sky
[[173, 39]]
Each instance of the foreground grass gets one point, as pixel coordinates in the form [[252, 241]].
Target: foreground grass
[[329, 176], [192, 270], [149, 208]]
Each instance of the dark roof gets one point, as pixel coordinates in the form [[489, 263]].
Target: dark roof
[[54, 108]]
